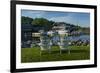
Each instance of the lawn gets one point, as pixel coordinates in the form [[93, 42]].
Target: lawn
[[76, 53]]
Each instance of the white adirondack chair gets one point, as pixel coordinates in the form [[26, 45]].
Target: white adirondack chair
[[45, 43], [63, 44]]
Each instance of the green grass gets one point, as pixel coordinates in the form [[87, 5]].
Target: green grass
[[76, 53]]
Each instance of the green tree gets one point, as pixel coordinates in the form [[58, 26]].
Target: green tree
[[26, 20], [42, 22]]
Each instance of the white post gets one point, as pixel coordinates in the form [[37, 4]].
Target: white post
[[60, 51], [40, 54], [68, 51]]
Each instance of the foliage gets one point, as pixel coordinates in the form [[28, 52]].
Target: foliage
[[26, 20], [42, 22], [47, 24]]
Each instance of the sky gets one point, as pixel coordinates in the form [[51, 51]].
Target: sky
[[76, 18]]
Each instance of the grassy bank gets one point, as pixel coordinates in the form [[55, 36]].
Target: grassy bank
[[76, 53]]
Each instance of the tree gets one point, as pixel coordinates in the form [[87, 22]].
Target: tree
[[26, 20], [42, 22]]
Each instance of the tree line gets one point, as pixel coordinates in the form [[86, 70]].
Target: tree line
[[40, 22], [47, 24]]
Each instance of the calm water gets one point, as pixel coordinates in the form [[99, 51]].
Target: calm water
[[75, 38], [70, 38], [81, 37]]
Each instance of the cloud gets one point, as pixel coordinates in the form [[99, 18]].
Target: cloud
[[38, 13], [34, 13], [67, 19]]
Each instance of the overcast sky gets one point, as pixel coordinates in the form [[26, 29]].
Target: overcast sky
[[82, 19]]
